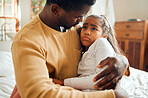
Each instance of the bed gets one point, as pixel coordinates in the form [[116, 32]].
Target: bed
[[136, 84], [7, 77]]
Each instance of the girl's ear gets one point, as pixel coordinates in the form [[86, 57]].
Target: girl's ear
[[55, 9], [105, 36]]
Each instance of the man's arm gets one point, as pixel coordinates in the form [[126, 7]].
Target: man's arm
[[114, 72]]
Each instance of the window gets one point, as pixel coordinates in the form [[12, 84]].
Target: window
[[8, 17], [36, 7]]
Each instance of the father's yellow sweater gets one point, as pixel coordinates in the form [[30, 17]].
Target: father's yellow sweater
[[40, 52]]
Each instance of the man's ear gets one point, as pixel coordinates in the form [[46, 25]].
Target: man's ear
[[105, 36], [55, 9]]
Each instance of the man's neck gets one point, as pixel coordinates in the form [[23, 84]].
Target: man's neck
[[47, 19]]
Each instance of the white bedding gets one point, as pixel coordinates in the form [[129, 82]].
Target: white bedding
[[7, 78], [6, 86], [136, 84]]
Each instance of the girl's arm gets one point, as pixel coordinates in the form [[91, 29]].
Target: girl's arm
[[80, 83]]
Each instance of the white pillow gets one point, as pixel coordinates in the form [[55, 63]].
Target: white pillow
[[6, 64]]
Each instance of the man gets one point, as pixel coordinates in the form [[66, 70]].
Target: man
[[41, 52]]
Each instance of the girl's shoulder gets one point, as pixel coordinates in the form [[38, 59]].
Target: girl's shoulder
[[101, 42]]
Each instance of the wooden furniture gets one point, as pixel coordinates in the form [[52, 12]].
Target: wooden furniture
[[132, 37]]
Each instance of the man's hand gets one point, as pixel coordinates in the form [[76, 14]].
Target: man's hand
[[56, 81], [113, 73]]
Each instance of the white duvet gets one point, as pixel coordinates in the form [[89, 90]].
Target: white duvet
[[7, 78], [6, 86], [136, 84]]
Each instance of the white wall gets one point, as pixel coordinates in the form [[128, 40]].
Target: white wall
[[25, 11], [131, 9], [123, 9], [99, 8]]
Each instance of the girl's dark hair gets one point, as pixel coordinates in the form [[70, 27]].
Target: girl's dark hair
[[69, 5]]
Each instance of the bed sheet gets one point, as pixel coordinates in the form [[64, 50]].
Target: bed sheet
[[136, 84], [6, 86], [7, 77]]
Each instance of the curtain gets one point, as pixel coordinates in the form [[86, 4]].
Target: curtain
[[104, 7]]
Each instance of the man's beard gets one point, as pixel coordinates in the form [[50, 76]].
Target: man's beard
[[66, 26]]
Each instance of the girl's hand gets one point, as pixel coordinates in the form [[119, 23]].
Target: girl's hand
[[56, 81]]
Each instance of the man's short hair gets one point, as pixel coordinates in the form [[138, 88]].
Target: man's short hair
[[69, 5]]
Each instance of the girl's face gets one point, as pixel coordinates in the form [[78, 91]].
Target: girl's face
[[91, 31]]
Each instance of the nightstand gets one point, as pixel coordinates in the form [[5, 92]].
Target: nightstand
[[132, 38]]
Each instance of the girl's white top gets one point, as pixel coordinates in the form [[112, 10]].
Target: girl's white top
[[87, 68]]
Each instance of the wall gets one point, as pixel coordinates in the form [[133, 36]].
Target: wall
[[98, 8], [25, 11], [130, 9], [124, 9]]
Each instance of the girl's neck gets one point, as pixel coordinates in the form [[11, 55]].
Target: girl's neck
[[86, 48]]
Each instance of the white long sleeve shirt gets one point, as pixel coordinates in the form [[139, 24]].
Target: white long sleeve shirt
[[87, 68]]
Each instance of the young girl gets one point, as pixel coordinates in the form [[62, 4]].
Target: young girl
[[99, 42]]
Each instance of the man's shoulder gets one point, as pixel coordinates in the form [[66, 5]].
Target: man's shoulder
[[32, 32], [33, 24], [31, 28]]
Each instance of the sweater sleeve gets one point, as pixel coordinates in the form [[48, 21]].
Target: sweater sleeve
[[32, 78]]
